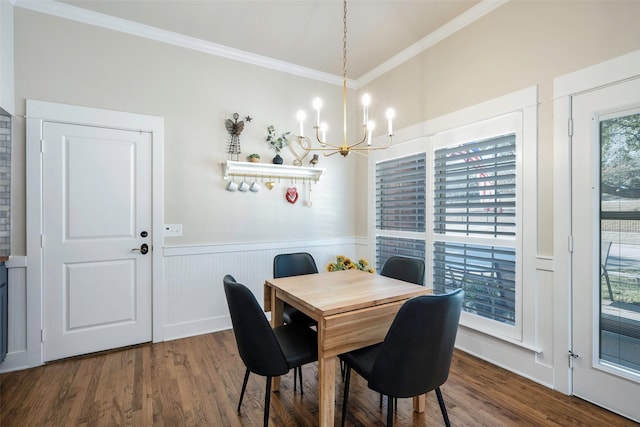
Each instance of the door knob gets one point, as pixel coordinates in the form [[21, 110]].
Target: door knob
[[143, 249]]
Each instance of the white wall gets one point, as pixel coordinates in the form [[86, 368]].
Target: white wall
[[64, 61]]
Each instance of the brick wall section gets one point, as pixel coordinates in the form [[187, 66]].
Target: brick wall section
[[5, 184]]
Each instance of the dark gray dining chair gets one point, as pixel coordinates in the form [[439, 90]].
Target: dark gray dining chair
[[266, 351], [294, 264], [404, 268], [415, 356]]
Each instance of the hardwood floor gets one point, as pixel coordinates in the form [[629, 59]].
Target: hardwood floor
[[196, 382]]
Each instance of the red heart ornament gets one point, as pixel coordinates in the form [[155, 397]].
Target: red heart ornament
[[292, 194]]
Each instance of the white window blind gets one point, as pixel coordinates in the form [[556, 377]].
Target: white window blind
[[475, 188], [400, 207], [475, 195], [401, 193]]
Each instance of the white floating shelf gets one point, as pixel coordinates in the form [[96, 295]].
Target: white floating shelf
[[268, 170]]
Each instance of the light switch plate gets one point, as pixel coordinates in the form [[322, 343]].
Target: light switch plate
[[172, 230]]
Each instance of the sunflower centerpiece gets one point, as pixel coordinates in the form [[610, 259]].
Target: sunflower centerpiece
[[345, 263]]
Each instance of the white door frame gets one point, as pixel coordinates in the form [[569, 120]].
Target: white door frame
[[605, 73], [39, 112]]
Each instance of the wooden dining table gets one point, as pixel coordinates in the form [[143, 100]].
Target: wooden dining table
[[353, 308]]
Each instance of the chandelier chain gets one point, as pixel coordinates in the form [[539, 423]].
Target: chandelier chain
[[344, 43]]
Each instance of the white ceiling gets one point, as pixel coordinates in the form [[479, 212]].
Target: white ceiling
[[306, 33]]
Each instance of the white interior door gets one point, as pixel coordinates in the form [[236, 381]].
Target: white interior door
[[96, 202], [606, 247]]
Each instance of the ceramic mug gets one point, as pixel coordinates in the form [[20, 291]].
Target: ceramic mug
[[232, 186], [255, 187], [243, 186]]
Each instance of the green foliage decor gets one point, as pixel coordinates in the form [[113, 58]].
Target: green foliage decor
[[277, 142]]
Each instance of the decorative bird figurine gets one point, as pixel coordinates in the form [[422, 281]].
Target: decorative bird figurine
[[314, 160]]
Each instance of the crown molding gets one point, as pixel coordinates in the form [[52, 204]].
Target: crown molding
[[74, 13], [456, 24]]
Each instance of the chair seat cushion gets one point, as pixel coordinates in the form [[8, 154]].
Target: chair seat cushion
[[361, 360], [291, 315], [299, 344]]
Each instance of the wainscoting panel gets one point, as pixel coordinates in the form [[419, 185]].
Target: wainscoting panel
[[194, 297]]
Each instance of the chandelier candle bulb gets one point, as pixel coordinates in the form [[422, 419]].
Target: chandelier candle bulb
[[390, 115], [301, 116], [371, 125], [317, 105], [323, 132], [366, 101]]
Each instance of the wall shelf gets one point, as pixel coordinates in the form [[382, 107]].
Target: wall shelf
[[268, 170]]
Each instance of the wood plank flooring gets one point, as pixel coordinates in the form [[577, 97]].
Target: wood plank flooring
[[196, 382]]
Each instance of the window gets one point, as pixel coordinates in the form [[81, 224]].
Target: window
[[465, 219], [400, 207], [475, 195]]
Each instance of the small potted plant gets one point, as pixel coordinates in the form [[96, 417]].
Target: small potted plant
[[255, 158], [276, 142]]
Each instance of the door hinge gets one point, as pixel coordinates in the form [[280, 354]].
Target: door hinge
[[571, 356], [42, 240], [570, 244], [570, 127], [42, 146], [43, 335]]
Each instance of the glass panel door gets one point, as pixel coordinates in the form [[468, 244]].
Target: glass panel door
[[605, 229]]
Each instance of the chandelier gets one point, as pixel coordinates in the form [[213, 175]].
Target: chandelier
[[320, 128]]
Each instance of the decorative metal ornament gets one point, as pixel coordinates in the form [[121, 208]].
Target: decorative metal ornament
[[235, 128]]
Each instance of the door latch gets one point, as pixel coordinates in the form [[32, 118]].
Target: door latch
[[144, 249], [571, 356]]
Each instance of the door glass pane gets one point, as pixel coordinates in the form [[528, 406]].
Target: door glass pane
[[620, 240]]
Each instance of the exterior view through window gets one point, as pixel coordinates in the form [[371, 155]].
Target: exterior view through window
[[620, 239]]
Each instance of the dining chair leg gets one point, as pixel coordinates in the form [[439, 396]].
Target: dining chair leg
[[244, 387], [295, 378], [300, 378], [395, 402], [442, 407], [389, 411], [345, 397], [267, 402]]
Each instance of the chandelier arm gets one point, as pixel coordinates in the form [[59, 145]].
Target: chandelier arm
[[325, 145], [374, 147]]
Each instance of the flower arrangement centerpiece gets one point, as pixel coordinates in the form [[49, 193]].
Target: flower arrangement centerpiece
[[345, 263]]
